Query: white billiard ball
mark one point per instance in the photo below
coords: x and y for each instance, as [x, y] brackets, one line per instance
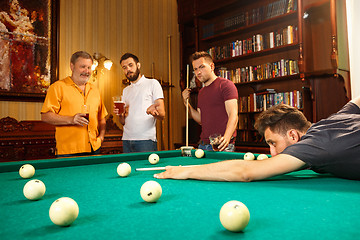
[34, 189]
[150, 191]
[63, 211]
[249, 156]
[154, 158]
[262, 157]
[124, 169]
[234, 216]
[199, 153]
[27, 171]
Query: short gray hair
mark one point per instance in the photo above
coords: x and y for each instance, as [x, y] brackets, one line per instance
[81, 54]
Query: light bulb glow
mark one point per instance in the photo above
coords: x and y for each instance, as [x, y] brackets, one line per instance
[108, 64]
[95, 64]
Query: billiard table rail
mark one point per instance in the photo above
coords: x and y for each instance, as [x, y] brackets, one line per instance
[108, 158]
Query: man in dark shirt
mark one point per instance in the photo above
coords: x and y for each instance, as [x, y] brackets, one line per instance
[217, 109]
[331, 145]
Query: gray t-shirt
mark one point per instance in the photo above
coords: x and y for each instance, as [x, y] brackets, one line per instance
[332, 145]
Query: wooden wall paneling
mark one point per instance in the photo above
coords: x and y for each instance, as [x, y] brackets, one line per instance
[317, 38]
[325, 88]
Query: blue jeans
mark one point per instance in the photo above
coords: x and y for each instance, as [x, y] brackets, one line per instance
[139, 146]
[208, 147]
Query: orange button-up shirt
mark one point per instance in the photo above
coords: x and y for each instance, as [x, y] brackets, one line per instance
[65, 98]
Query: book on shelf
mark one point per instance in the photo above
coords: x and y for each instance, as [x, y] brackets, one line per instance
[261, 101]
[248, 135]
[243, 122]
[291, 5]
[249, 17]
[256, 43]
[283, 67]
[265, 91]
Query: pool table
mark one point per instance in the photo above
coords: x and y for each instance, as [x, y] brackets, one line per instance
[300, 205]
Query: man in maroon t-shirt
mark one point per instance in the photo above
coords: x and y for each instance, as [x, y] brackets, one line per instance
[217, 110]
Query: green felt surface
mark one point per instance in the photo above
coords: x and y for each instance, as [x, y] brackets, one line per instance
[301, 205]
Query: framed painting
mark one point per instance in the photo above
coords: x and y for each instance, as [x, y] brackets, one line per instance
[28, 48]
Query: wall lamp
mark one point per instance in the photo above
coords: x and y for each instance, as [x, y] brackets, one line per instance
[100, 61]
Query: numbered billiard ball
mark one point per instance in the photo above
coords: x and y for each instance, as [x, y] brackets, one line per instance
[154, 158]
[124, 169]
[199, 153]
[34, 189]
[249, 156]
[150, 191]
[262, 157]
[63, 211]
[234, 216]
[27, 171]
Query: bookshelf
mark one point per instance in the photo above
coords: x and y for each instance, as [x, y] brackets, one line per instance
[270, 51]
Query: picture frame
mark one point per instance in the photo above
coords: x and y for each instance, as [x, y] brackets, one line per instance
[28, 48]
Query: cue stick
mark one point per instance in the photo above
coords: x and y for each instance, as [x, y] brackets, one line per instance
[159, 168]
[187, 107]
[158, 126]
[161, 124]
[169, 95]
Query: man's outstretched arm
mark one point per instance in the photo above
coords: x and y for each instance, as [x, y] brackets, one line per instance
[236, 170]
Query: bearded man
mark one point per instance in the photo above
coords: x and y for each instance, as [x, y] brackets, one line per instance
[144, 105]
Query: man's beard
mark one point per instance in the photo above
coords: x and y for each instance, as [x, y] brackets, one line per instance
[135, 76]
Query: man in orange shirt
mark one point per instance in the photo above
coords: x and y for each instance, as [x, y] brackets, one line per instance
[75, 135]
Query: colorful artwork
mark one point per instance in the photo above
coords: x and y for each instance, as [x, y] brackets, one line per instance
[26, 52]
